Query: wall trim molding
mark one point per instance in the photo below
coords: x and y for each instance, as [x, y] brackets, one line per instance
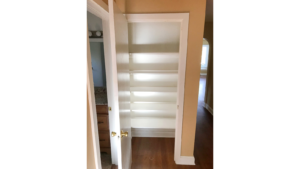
[153, 132]
[185, 160]
[209, 109]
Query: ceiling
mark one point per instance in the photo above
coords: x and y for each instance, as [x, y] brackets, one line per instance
[209, 11]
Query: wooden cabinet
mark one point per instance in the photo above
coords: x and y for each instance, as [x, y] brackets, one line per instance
[104, 139]
[102, 109]
[103, 122]
[103, 128]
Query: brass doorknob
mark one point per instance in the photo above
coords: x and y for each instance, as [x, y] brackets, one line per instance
[124, 133]
[113, 134]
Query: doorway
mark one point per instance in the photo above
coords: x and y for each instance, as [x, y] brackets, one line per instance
[166, 80]
[158, 48]
[203, 73]
[95, 30]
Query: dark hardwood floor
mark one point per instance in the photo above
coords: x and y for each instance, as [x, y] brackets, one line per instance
[158, 153]
[114, 166]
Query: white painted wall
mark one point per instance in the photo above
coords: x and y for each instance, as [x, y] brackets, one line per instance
[94, 22]
[154, 37]
[98, 63]
[97, 52]
[154, 61]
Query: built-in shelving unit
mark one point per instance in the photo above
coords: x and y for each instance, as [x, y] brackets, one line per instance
[153, 81]
[153, 69]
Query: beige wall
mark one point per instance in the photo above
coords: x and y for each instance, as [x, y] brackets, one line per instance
[196, 8]
[90, 149]
[98, 1]
[208, 35]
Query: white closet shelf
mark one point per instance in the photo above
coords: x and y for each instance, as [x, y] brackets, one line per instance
[154, 53]
[150, 71]
[154, 71]
[170, 106]
[153, 89]
[146, 122]
[150, 102]
[153, 113]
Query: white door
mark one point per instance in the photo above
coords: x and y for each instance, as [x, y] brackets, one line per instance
[118, 28]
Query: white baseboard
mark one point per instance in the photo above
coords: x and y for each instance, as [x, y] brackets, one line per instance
[209, 109]
[153, 132]
[185, 160]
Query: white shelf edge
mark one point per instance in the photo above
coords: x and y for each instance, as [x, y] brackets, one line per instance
[153, 89]
[154, 53]
[154, 103]
[154, 71]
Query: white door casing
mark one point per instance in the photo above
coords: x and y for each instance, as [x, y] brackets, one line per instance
[183, 19]
[92, 108]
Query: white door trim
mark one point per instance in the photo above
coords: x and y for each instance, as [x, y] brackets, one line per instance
[100, 10]
[92, 108]
[183, 18]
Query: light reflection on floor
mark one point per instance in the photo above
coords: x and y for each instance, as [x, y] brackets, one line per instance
[202, 84]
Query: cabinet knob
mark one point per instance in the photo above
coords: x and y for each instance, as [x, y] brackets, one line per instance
[113, 134]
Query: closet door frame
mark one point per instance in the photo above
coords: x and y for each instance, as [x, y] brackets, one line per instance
[183, 18]
[100, 9]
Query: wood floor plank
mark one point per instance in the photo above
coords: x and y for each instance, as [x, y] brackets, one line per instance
[158, 153]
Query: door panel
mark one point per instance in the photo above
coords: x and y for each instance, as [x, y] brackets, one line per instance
[120, 56]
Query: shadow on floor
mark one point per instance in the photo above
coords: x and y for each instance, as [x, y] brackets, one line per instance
[106, 161]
